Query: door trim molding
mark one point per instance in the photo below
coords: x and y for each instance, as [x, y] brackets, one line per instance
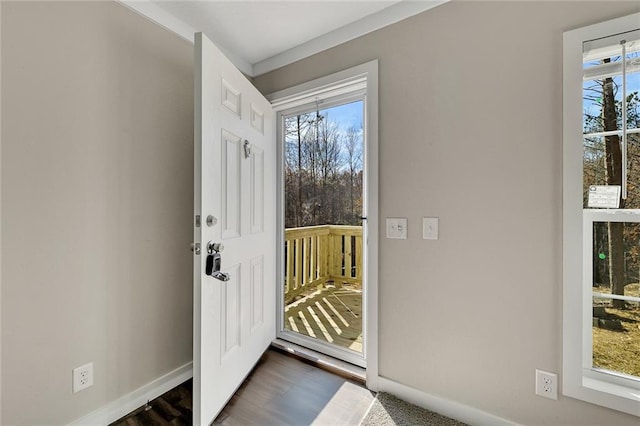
[330, 86]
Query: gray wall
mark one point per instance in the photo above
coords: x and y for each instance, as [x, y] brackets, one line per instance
[471, 131]
[97, 198]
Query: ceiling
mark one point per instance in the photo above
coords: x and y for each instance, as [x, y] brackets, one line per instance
[259, 36]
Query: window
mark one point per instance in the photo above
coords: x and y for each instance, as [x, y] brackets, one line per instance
[601, 223]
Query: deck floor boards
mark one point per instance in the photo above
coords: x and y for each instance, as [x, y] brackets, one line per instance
[331, 314]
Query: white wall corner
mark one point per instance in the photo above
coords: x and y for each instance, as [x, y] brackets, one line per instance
[127, 403]
[156, 14]
[446, 407]
[387, 16]
[161, 17]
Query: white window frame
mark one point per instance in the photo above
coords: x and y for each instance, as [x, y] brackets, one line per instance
[580, 380]
[360, 82]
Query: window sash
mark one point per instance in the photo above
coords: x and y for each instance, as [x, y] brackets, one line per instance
[606, 47]
[587, 384]
[591, 216]
[612, 69]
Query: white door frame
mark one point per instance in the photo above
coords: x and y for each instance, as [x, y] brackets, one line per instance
[362, 77]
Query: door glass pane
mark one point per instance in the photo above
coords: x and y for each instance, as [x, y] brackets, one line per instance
[616, 320]
[323, 180]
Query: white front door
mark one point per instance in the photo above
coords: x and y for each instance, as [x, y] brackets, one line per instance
[234, 320]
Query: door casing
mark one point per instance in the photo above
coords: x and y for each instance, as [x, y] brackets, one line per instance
[360, 82]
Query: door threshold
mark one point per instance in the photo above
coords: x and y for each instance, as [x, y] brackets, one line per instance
[326, 362]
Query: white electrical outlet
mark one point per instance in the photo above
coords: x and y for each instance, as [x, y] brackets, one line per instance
[546, 384]
[82, 377]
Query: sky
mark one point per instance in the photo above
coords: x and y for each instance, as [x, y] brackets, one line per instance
[633, 85]
[347, 115]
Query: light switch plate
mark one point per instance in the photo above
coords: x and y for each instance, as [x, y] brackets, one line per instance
[430, 228]
[397, 228]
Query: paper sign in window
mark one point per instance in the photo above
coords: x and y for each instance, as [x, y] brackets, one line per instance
[604, 196]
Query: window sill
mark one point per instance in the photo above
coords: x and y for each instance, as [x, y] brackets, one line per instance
[604, 393]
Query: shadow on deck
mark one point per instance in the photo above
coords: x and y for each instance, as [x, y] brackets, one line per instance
[331, 314]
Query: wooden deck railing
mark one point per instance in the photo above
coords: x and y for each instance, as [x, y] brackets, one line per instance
[316, 255]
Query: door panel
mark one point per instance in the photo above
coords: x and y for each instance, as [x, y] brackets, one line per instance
[234, 320]
[257, 190]
[230, 185]
[257, 292]
[231, 311]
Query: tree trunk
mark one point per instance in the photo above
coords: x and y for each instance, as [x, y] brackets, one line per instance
[616, 262]
[613, 158]
[600, 245]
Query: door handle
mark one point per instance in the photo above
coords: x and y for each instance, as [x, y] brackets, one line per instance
[214, 247]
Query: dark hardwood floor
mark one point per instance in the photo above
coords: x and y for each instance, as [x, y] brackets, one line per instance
[281, 390]
[172, 408]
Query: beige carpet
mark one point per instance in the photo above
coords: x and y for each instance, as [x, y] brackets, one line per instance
[387, 410]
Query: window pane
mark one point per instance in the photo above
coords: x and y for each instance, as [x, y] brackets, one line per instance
[593, 164]
[595, 168]
[616, 271]
[616, 336]
[601, 102]
[611, 98]
[632, 89]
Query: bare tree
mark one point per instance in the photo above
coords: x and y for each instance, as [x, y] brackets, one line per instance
[323, 171]
[296, 129]
[353, 146]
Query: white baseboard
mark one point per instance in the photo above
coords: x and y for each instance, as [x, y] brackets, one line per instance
[443, 406]
[127, 403]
